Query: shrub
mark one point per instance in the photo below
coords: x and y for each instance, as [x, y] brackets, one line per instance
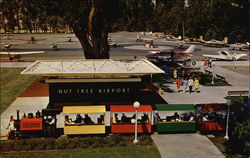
[240, 140]
[72, 143]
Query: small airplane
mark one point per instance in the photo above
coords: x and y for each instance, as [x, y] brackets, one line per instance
[194, 40]
[239, 46]
[16, 56]
[171, 38]
[32, 40]
[225, 55]
[215, 42]
[172, 55]
[149, 47]
[7, 46]
[112, 44]
[143, 39]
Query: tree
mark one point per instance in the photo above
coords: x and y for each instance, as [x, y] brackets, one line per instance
[91, 20]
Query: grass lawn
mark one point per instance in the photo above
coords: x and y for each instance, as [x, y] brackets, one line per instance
[113, 152]
[12, 85]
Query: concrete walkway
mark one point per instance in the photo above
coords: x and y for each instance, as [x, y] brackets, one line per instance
[186, 146]
[209, 94]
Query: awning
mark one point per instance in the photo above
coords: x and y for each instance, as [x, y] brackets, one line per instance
[130, 108]
[96, 68]
[218, 107]
[175, 107]
[83, 109]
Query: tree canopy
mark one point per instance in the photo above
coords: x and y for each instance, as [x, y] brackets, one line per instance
[92, 20]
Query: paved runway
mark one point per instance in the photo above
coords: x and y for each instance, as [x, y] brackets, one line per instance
[73, 50]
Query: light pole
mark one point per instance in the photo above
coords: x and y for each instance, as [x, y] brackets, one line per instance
[248, 62]
[213, 73]
[186, 5]
[229, 103]
[136, 106]
[234, 67]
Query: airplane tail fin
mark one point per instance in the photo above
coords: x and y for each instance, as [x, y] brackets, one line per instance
[201, 39]
[190, 50]
[225, 40]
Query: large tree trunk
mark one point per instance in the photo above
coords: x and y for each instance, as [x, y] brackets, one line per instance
[93, 34]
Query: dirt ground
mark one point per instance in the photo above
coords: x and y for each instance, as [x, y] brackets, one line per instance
[37, 89]
[240, 69]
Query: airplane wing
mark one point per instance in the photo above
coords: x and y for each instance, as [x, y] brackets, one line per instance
[238, 56]
[216, 56]
[14, 43]
[190, 50]
[41, 39]
[21, 53]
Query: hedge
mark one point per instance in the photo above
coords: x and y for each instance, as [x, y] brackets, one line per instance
[71, 143]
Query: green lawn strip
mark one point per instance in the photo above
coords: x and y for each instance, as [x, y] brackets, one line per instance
[238, 99]
[148, 151]
[12, 85]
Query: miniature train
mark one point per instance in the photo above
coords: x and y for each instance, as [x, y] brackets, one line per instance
[161, 118]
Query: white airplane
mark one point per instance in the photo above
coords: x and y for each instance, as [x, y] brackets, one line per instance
[16, 56]
[225, 55]
[21, 53]
[144, 39]
[171, 38]
[240, 46]
[149, 47]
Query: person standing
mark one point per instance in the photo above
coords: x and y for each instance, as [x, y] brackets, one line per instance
[190, 84]
[196, 84]
[210, 62]
[178, 84]
[175, 74]
[10, 127]
[185, 84]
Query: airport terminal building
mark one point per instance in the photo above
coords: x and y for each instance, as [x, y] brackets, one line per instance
[98, 82]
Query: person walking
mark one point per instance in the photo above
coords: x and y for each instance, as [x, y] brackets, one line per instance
[196, 84]
[178, 84]
[190, 84]
[205, 62]
[185, 84]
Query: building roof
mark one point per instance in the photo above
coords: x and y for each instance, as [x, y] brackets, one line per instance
[175, 107]
[84, 109]
[130, 108]
[96, 68]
